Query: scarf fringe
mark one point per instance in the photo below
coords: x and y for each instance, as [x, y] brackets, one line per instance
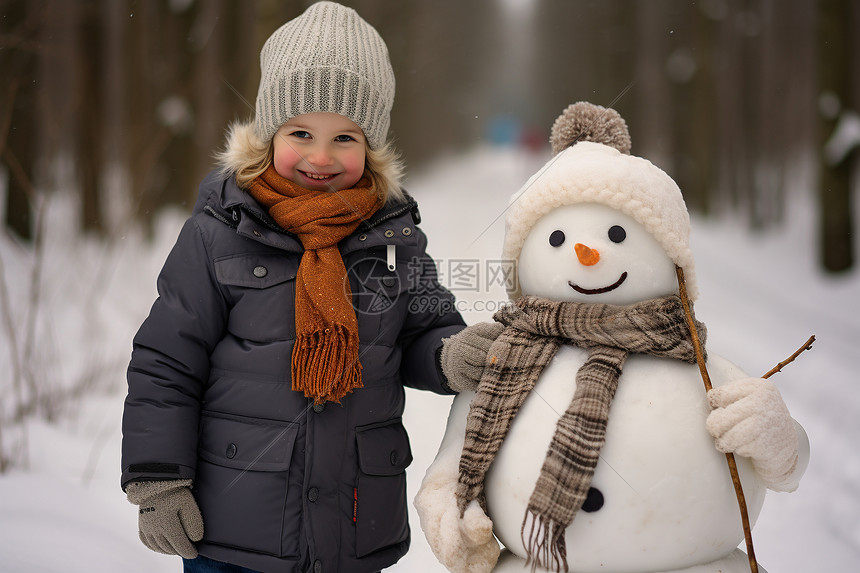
[544, 542]
[325, 364]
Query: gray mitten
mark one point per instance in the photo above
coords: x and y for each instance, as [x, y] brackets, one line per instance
[464, 355]
[169, 517]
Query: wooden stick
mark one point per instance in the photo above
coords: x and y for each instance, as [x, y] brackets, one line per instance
[730, 458]
[806, 346]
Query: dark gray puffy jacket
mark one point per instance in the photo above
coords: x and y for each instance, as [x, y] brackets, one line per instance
[283, 486]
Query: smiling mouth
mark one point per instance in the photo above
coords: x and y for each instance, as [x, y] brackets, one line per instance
[613, 286]
[317, 176]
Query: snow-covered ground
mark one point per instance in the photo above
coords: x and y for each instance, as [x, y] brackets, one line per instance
[761, 297]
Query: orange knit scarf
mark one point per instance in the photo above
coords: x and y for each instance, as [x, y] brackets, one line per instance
[325, 363]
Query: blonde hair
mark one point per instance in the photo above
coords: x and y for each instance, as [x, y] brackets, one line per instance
[246, 157]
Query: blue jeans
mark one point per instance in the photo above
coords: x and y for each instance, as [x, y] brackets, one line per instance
[205, 565]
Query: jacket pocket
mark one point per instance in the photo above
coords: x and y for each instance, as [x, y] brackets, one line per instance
[242, 484]
[380, 498]
[262, 290]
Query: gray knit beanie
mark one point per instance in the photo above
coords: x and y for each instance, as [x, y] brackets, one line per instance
[326, 60]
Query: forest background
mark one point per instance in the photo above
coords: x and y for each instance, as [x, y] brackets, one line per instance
[118, 105]
[125, 100]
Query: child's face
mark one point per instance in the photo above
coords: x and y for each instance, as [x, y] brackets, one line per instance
[320, 151]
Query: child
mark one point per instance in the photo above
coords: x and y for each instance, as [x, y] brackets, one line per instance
[262, 425]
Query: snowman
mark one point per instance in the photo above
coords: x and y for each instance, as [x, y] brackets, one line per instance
[582, 437]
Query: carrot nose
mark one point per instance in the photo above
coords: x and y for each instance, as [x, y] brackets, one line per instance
[586, 255]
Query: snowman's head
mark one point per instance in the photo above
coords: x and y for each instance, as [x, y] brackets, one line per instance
[586, 190]
[590, 252]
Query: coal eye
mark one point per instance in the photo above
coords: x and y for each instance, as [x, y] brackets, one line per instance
[617, 234]
[556, 238]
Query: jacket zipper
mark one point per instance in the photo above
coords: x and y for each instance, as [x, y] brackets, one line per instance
[405, 209]
[219, 216]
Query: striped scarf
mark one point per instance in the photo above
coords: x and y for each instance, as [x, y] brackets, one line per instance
[535, 329]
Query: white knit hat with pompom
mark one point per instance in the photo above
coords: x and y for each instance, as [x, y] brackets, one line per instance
[592, 165]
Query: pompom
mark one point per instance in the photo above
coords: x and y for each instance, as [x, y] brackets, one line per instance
[583, 121]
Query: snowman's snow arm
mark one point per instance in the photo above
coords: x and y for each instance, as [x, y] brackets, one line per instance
[448, 457]
[462, 544]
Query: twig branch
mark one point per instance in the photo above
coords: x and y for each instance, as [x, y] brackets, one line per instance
[730, 458]
[806, 346]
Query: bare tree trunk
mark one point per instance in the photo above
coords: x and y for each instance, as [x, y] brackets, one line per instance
[148, 138]
[88, 114]
[770, 105]
[747, 156]
[207, 93]
[18, 111]
[114, 169]
[835, 62]
[652, 94]
[801, 127]
[174, 109]
[241, 55]
[682, 67]
[702, 127]
[57, 101]
[731, 103]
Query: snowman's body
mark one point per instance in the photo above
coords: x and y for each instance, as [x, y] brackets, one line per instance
[668, 498]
